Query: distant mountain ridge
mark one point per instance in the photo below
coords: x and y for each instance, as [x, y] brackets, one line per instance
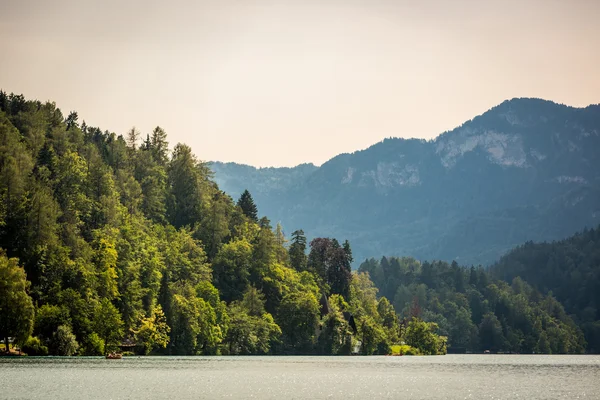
[527, 169]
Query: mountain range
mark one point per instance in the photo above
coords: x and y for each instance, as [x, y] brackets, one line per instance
[527, 169]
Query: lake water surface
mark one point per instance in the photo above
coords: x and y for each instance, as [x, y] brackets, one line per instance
[443, 377]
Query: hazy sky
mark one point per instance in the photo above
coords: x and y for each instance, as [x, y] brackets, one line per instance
[285, 82]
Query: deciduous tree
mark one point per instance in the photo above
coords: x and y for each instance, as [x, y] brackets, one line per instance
[16, 307]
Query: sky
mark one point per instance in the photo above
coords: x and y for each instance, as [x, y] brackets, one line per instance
[279, 83]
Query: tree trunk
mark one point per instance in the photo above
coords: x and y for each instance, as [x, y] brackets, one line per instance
[7, 349]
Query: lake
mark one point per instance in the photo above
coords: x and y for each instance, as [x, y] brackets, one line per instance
[442, 377]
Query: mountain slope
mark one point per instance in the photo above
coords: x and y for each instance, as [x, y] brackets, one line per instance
[525, 170]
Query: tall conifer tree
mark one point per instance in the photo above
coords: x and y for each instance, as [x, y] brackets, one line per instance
[247, 205]
[298, 251]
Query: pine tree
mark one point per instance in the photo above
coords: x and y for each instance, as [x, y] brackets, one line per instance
[246, 203]
[338, 272]
[159, 146]
[348, 251]
[298, 250]
[184, 176]
[133, 135]
[71, 120]
[3, 101]
[281, 251]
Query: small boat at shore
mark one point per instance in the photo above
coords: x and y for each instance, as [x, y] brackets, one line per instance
[114, 356]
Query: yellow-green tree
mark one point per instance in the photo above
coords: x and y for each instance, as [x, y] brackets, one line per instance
[421, 335]
[153, 331]
[16, 307]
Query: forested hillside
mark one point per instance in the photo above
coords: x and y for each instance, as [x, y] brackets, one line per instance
[474, 310]
[569, 269]
[526, 169]
[111, 242]
[108, 240]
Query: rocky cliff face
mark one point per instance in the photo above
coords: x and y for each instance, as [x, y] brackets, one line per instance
[527, 169]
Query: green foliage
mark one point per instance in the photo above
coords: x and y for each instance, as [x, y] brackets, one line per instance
[231, 269]
[108, 324]
[159, 147]
[389, 319]
[253, 302]
[216, 226]
[421, 335]
[570, 273]
[246, 203]
[404, 350]
[187, 180]
[372, 337]
[195, 325]
[34, 347]
[335, 336]
[490, 333]
[332, 264]
[93, 345]
[47, 319]
[363, 296]
[153, 331]
[473, 310]
[64, 341]
[375, 320]
[298, 317]
[297, 251]
[251, 331]
[189, 316]
[16, 307]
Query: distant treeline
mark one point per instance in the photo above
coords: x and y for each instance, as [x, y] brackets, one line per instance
[569, 270]
[539, 298]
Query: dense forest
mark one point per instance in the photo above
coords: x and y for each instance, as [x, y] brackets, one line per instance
[109, 241]
[569, 269]
[475, 311]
